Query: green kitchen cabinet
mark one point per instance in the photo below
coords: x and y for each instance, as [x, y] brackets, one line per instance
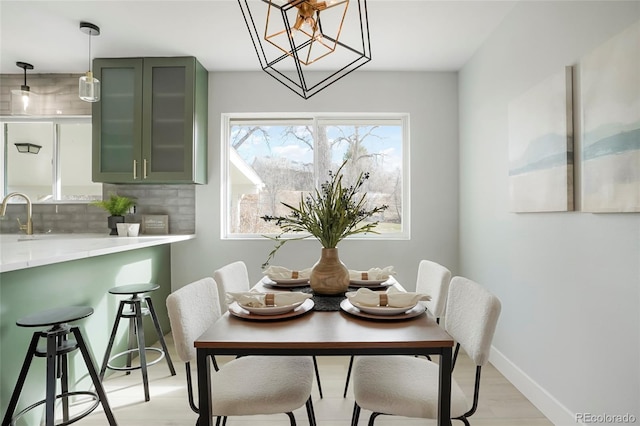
[150, 125]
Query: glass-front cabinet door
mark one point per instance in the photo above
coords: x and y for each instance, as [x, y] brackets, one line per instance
[117, 120]
[168, 108]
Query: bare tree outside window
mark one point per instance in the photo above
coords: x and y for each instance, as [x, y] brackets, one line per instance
[272, 162]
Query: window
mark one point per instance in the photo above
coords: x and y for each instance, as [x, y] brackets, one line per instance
[60, 171]
[271, 160]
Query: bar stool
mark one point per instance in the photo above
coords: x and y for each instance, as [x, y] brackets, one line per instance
[58, 346]
[135, 314]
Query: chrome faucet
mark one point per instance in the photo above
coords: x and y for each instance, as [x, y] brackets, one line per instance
[28, 227]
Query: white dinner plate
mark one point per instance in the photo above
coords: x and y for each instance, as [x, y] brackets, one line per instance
[289, 280]
[417, 310]
[307, 305]
[382, 310]
[271, 310]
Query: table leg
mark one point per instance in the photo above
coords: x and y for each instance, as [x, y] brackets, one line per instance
[204, 388]
[444, 396]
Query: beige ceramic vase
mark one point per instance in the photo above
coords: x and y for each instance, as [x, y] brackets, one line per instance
[329, 276]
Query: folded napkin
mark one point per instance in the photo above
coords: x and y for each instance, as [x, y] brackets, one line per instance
[372, 274]
[282, 273]
[256, 299]
[393, 298]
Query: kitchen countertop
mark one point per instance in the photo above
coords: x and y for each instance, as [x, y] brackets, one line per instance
[28, 251]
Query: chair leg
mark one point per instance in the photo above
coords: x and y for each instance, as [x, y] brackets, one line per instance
[356, 414]
[346, 385]
[156, 323]
[315, 366]
[292, 418]
[373, 418]
[310, 412]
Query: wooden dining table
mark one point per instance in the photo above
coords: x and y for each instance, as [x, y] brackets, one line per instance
[322, 333]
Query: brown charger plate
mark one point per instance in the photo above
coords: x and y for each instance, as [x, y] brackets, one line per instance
[364, 283]
[372, 285]
[417, 310]
[237, 311]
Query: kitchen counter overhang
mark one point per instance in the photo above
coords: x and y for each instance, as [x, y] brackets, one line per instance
[28, 251]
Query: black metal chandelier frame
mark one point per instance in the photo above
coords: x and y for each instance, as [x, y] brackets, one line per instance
[300, 84]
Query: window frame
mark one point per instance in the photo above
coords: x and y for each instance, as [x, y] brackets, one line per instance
[331, 119]
[57, 184]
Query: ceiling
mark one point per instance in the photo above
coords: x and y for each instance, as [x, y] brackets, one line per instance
[409, 35]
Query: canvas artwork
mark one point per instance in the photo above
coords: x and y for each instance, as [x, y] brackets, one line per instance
[610, 97]
[541, 146]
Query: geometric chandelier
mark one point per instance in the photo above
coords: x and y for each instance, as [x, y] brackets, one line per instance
[307, 45]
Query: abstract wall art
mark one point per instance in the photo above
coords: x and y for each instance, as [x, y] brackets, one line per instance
[541, 146]
[610, 115]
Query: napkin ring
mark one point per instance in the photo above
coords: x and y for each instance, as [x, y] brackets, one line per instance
[270, 299]
[294, 275]
[365, 276]
[384, 299]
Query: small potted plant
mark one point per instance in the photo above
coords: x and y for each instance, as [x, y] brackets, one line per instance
[117, 206]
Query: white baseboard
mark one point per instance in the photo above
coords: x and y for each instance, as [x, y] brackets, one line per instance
[557, 413]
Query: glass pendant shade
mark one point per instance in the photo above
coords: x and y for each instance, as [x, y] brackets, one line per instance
[24, 101]
[88, 85]
[89, 88]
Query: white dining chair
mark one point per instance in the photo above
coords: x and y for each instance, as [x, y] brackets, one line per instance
[234, 277]
[408, 386]
[432, 279]
[244, 386]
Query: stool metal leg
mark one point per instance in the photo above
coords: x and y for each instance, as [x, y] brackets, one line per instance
[21, 378]
[63, 371]
[111, 340]
[97, 384]
[131, 339]
[50, 405]
[141, 349]
[154, 317]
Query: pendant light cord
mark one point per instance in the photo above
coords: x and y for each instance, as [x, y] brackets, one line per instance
[90, 51]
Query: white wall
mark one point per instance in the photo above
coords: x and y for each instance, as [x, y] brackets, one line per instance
[569, 333]
[431, 101]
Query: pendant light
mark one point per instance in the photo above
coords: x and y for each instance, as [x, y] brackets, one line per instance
[24, 101]
[308, 45]
[89, 86]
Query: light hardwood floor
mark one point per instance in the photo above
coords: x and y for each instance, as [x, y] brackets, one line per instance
[500, 403]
